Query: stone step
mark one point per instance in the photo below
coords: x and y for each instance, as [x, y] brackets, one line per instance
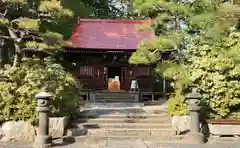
[113, 105]
[166, 143]
[153, 132]
[148, 139]
[126, 94]
[135, 116]
[122, 114]
[101, 112]
[124, 125]
[123, 120]
[115, 96]
[107, 100]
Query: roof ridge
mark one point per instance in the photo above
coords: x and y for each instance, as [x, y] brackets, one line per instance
[113, 21]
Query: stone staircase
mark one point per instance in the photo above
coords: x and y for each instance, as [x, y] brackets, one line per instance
[113, 97]
[124, 123]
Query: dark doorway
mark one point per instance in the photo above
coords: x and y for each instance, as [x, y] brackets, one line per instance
[114, 71]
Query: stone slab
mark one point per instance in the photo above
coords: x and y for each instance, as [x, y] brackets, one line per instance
[126, 143]
[113, 105]
[224, 129]
[76, 132]
[18, 131]
[126, 125]
[126, 120]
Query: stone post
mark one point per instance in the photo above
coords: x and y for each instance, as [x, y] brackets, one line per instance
[43, 139]
[194, 136]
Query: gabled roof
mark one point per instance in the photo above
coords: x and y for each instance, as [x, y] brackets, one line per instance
[108, 34]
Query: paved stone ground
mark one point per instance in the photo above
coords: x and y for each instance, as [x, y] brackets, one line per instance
[125, 144]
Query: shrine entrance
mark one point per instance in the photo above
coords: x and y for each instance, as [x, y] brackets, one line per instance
[114, 77]
[114, 72]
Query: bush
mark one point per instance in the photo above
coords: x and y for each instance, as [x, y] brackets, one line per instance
[177, 105]
[215, 71]
[17, 96]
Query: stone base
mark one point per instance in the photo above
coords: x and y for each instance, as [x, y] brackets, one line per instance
[43, 142]
[194, 138]
[180, 124]
[57, 126]
[224, 129]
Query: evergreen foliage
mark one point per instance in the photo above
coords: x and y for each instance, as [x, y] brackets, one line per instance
[214, 70]
[195, 33]
[32, 24]
[103, 9]
[17, 95]
[80, 9]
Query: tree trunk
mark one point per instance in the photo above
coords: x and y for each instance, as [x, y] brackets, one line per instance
[17, 56]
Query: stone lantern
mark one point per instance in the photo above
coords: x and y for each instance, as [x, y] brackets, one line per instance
[194, 136]
[43, 139]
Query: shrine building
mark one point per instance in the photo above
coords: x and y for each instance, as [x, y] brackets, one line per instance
[99, 50]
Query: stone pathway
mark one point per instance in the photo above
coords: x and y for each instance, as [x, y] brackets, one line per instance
[125, 144]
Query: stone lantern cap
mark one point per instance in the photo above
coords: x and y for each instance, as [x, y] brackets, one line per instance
[43, 95]
[194, 95]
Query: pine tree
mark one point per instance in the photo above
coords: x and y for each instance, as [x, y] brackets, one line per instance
[32, 24]
[176, 20]
[167, 18]
[175, 23]
[79, 9]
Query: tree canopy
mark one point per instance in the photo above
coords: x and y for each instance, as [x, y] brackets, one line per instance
[32, 24]
[194, 33]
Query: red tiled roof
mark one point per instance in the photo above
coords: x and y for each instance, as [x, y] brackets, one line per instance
[108, 34]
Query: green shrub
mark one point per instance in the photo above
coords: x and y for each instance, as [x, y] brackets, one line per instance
[215, 71]
[17, 96]
[177, 104]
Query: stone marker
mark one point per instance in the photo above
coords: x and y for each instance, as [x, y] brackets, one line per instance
[180, 124]
[194, 136]
[43, 139]
[57, 126]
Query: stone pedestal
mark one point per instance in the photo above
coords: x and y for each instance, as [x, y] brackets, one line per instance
[194, 136]
[43, 139]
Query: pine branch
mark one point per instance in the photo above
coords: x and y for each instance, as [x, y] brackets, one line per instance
[6, 37]
[4, 14]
